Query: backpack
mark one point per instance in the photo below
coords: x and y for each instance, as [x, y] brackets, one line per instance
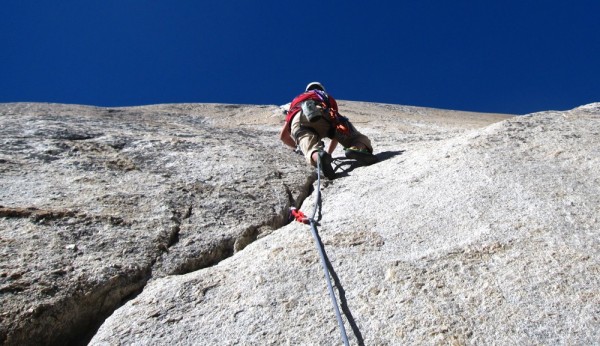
[322, 105]
[314, 103]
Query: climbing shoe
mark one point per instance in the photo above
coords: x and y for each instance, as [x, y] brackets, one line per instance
[326, 168]
[361, 155]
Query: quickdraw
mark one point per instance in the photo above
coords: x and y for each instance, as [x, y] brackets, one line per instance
[299, 216]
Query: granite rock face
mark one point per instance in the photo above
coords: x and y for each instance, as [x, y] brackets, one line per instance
[96, 202]
[472, 229]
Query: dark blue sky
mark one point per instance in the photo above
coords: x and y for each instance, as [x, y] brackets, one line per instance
[502, 56]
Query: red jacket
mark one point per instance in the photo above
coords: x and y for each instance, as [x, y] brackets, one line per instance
[328, 102]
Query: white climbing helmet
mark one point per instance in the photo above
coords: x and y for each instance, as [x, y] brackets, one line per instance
[315, 85]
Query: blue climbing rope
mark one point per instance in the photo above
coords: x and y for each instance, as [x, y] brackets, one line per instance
[315, 233]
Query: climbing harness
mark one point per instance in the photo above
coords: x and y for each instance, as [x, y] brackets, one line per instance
[300, 217]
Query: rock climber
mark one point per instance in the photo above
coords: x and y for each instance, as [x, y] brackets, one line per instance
[312, 116]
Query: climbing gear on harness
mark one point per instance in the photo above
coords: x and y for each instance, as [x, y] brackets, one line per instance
[313, 228]
[360, 155]
[341, 126]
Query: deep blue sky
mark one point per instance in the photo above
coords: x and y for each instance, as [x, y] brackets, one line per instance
[495, 56]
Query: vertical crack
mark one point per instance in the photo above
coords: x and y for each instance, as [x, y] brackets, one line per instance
[116, 294]
[226, 247]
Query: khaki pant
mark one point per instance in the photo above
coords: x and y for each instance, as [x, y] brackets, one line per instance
[308, 135]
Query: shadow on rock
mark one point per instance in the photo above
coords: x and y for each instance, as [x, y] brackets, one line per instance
[389, 154]
[343, 166]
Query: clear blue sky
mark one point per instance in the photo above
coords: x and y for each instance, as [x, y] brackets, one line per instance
[495, 56]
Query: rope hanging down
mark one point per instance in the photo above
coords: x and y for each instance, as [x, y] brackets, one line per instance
[300, 217]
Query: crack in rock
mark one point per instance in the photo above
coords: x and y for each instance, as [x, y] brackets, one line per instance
[96, 202]
[71, 314]
[113, 294]
[225, 247]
